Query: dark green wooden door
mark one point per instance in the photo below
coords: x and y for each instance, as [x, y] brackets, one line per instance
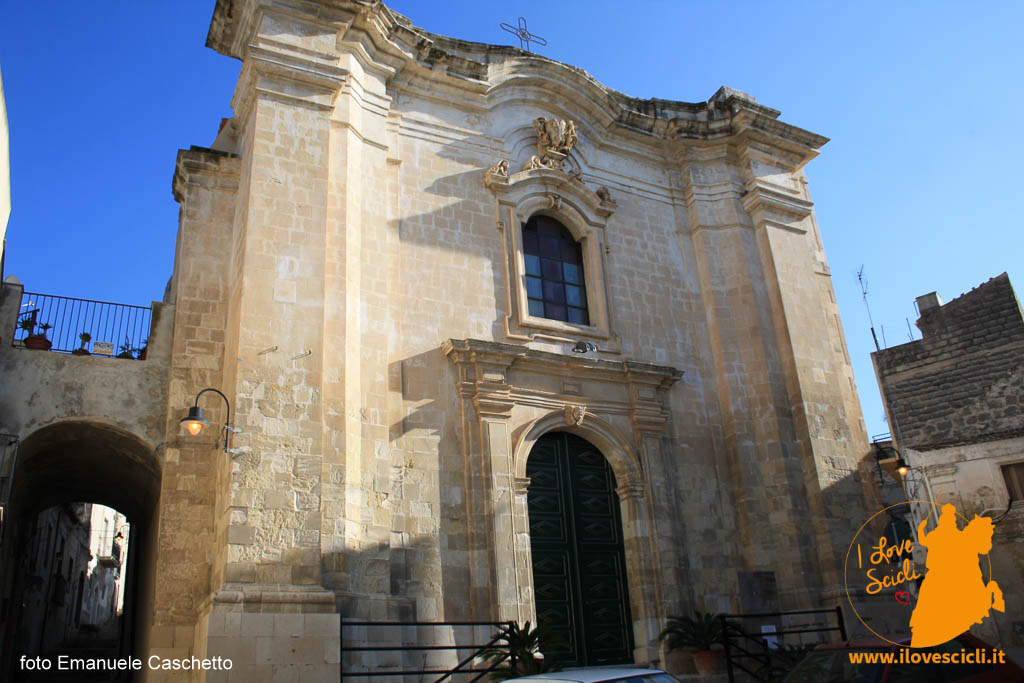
[579, 564]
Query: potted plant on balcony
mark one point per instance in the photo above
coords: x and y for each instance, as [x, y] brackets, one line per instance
[35, 340]
[141, 353]
[125, 350]
[82, 351]
[700, 633]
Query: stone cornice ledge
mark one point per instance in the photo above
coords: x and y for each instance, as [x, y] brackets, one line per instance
[461, 351]
[479, 67]
[197, 161]
[319, 598]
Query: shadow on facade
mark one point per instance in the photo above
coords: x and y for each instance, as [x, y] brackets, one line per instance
[59, 466]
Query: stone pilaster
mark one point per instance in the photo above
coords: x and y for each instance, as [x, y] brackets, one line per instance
[483, 381]
[205, 183]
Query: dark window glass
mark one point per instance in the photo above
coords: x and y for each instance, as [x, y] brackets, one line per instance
[532, 265]
[554, 266]
[554, 311]
[554, 291]
[530, 242]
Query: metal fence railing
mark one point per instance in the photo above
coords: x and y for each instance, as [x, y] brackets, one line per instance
[57, 323]
[753, 652]
[409, 644]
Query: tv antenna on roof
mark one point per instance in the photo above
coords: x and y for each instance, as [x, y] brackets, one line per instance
[523, 34]
[864, 294]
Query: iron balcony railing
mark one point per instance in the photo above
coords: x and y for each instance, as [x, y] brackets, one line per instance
[120, 330]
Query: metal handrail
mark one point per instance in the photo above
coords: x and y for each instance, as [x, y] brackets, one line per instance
[460, 668]
[125, 326]
[731, 629]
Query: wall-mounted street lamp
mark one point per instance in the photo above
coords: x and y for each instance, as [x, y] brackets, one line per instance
[904, 469]
[195, 422]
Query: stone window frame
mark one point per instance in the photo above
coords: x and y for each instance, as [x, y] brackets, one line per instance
[1004, 469]
[555, 194]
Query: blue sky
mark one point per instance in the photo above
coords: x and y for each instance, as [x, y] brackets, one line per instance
[920, 100]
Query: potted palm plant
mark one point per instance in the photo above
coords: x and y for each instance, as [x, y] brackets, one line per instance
[700, 633]
[520, 653]
[35, 340]
[125, 350]
[82, 351]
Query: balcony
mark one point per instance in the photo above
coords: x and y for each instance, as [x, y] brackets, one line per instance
[113, 559]
[82, 326]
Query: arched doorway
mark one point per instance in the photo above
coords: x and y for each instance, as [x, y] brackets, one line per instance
[59, 469]
[576, 542]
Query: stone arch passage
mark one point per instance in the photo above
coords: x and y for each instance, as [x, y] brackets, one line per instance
[578, 553]
[82, 461]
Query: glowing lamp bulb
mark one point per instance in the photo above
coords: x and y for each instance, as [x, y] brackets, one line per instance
[902, 467]
[194, 421]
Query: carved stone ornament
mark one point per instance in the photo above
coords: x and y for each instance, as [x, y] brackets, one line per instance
[555, 139]
[574, 415]
[605, 195]
[500, 168]
[497, 173]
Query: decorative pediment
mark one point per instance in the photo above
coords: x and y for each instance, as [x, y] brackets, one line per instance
[556, 187]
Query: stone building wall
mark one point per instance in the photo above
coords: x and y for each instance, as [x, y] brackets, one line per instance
[964, 380]
[349, 272]
[955, 401]
[389, 382]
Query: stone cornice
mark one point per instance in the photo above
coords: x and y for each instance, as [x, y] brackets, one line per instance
[766, 203]
[494, 354]
[199, 161]
[393, 40]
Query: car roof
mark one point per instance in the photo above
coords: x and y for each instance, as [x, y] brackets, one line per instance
[590, 674]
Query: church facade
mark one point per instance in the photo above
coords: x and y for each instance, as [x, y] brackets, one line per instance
[499, 343]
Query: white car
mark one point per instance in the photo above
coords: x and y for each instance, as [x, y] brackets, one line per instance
[600, 674]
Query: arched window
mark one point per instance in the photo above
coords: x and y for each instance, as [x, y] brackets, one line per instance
[555, 286]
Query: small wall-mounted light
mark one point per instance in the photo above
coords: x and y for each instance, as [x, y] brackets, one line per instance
[902, 467]
[195, 422]
[584, 347]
